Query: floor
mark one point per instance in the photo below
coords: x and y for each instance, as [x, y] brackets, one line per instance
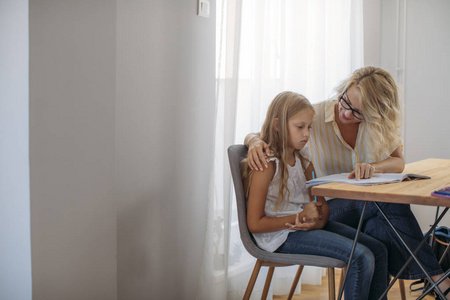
[316, 292]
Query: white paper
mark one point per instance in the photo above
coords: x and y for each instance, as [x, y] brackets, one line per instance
[378, 178]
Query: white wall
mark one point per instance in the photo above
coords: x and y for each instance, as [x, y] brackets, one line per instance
[423, 58]
[122, 106]
[427, 80]
[372, 32]
[72, 155]
[165, 118]
[424, 64]
[15, 248]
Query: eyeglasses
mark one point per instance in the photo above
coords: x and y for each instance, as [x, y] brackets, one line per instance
[357, 114]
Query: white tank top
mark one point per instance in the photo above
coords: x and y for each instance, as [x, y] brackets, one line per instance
[271, 241]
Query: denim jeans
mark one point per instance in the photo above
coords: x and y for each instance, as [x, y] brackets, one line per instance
[349, 211]
[367, 277]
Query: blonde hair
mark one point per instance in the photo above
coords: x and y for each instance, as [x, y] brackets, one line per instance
[380, 106]
[284, 106]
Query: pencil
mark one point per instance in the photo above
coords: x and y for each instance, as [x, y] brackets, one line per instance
[315, 197]
[442, 193]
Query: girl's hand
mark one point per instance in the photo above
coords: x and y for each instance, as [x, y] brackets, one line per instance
[312, 218]
[304, 223]
[363, 170]
[313, 210]
[256, 158]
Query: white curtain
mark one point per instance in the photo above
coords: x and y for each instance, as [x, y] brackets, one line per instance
[265, 47]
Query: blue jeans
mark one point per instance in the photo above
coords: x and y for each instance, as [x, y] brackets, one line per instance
[349, 211]
[367, 277]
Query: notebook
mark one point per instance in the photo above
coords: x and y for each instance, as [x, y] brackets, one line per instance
[378, 178]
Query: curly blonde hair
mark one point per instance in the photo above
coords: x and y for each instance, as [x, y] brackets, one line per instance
[380, 106]
[284, 106]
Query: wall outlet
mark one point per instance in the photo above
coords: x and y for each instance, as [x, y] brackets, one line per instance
[203, 8]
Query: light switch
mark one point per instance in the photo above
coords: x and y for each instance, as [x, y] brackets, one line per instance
[203, 8]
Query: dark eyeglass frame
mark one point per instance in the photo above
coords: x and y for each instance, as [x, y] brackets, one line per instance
[357, 114]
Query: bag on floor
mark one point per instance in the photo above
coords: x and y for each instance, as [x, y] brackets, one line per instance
[440, 244]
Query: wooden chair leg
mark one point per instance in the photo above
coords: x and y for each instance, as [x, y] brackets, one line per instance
[341, 280]
[331, 284]
[251, 282]
[295, 282]
[267, 284]
[401, 284]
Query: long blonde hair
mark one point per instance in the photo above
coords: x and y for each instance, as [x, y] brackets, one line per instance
[380, 106]
[284, 106]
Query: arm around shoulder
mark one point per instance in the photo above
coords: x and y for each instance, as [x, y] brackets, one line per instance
[249, 138]
[257, 150]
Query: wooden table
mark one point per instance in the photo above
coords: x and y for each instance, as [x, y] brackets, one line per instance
[407, 192]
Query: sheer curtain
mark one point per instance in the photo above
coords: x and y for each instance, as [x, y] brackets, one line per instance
[265, 47]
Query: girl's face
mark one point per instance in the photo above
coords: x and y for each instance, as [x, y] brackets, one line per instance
[349, 108]
[299, 126]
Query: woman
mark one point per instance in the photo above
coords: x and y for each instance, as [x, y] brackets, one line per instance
[359, 133]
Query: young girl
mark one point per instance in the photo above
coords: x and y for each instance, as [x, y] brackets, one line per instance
[283, 218]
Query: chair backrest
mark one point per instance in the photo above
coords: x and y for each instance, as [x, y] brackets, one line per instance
[235, 154]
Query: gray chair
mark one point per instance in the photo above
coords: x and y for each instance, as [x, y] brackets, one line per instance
[264, 258]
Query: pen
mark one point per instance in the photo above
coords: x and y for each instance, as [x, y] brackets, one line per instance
[442, 193]
[315, 197]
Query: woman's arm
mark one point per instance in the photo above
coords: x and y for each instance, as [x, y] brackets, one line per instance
[257, 221]
[256, 149]
[393, 164]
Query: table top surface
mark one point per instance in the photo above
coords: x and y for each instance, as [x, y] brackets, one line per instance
[409, 192]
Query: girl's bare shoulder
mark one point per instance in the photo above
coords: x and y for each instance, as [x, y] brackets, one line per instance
[268, 173]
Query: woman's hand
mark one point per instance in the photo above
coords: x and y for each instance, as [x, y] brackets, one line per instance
[395, 163]
[361, 171]
[256, 158]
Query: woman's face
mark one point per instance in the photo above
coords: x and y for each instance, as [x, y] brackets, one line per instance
[349, 108]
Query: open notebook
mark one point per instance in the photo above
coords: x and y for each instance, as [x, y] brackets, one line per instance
[378, 178]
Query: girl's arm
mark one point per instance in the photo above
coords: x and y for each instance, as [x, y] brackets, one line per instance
[256, 149]
[315, 215]
[257, 221]
[393, 164]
